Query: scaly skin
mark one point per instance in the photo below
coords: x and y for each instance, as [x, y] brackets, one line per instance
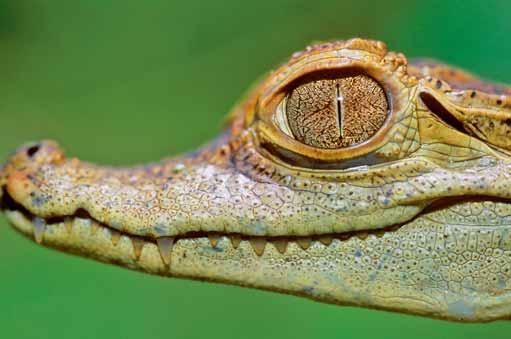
[416, 219]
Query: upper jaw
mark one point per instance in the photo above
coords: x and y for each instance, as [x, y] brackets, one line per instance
[213, 191]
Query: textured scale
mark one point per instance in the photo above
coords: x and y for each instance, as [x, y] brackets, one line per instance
[347, 176]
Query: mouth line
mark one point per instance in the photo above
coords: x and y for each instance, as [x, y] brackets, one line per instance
[8, 204]
[40, 225]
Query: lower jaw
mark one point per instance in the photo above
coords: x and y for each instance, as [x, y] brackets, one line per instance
[419, 268]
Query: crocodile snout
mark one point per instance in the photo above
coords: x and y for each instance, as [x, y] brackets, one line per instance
[16, 172]
[35, 154]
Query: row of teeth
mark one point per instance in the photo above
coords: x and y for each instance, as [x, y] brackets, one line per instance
[165, 244]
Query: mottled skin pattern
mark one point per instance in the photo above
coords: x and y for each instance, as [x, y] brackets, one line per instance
[417, 219]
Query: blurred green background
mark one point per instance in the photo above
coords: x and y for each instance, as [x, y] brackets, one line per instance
[125, 82]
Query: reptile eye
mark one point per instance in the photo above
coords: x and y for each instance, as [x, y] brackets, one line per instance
[336, 109]
[334, 112]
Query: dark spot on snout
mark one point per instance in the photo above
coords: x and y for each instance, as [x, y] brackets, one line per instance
[32, 150]
[38, 199]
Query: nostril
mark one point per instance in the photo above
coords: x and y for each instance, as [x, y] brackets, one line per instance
[31, 151]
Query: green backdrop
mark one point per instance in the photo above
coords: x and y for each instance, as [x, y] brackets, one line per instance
[124, 82]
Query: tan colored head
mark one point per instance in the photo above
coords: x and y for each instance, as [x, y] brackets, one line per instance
[347, 176]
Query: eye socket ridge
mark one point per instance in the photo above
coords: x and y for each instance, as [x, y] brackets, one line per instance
[275, 137]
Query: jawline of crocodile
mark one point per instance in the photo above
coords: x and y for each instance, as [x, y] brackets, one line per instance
[415, 220]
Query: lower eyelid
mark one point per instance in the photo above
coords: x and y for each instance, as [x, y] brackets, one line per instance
[295, 159]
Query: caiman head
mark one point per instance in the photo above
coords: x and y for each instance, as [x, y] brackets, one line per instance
[347, 176]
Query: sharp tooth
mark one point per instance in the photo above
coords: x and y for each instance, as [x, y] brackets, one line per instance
[258, 244]
[235, 240]
[280, 245]
[326, 240]
[213, 239]
[94, 227]
[344, 236]
[304, 243]
[362, 235]
[115, 237]
[379, 233]
[39, 227]
[138, 246]
[68, 223]
[165, 247]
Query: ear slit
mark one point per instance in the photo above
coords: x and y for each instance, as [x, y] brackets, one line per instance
[441, 112]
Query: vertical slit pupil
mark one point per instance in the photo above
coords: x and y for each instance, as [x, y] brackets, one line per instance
[338, 99]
